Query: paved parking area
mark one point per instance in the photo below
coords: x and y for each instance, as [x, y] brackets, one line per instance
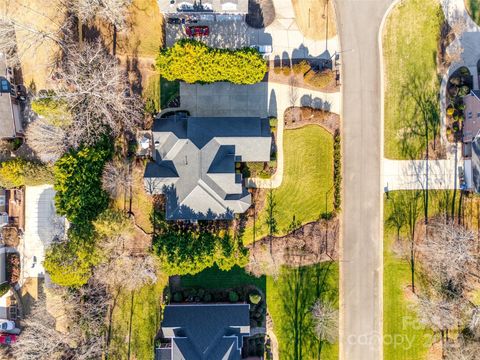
[283, 35]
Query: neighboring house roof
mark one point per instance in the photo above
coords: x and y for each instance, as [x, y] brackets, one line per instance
[471, 123]
[476, 164]
[194, 164]
[206, 332]
[10, 117]
[206, 6]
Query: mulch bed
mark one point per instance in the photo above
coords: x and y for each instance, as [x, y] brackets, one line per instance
[297, 117]
[312, 243]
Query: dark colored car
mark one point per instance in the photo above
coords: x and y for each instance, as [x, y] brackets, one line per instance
[21, 92]
[174, 20]
[198, 31]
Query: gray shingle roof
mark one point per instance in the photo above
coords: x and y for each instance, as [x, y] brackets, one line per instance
[195, 164]
[7, 122]
[207, 332]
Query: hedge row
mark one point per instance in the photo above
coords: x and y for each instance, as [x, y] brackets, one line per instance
[337, 172]
[193, 61]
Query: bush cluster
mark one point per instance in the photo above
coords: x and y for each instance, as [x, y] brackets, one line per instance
[183, 252]
[337, 172]
[194, 62]
[19, 172]
[78, 182]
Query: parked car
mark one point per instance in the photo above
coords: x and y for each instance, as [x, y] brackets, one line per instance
[263, 49]
[174, 20]
[7, 325]
[8, 339]
[21, 92]
[198, 31]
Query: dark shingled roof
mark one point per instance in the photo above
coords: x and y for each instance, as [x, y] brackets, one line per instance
[207, 332]
[195, 164]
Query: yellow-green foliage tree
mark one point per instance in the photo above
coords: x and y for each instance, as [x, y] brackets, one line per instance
[19, 172]
[70, 263]
[193, 61]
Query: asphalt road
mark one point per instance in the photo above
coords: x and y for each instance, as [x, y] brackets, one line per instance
[361, 263]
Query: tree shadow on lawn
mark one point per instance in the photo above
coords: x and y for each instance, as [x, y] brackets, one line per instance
[299, 290]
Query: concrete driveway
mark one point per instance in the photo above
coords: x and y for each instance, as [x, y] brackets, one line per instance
[283, 34]
[41, 226]
[262, 99]
[361, 264]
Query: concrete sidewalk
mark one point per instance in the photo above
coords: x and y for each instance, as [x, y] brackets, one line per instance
[412, 174]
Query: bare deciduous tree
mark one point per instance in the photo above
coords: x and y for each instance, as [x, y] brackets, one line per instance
[116, 179]
[441, 315]
[112, 11]
[127, 272]
[19, 36]
[39, 339]
[462, 349]
[325, 317]
[448, 253]
[48, 141]
[95, 89]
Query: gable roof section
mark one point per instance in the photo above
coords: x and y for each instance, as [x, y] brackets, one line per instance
[195, 164]
[207, 332]
[7, 121]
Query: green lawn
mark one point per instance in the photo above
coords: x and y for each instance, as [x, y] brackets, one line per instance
[161, 91]
[289, 300]
[168, 91]
[214, 278]
[308, 177]
[409, 47]
[152, 91]
[473, 8]
[145, 318]
[400, 319]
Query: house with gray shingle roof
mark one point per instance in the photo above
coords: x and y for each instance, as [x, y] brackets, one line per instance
[204, 332]
[10, 113]
[194, 164]
[204, 8]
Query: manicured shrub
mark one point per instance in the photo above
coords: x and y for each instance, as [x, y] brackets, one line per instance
[193, 61]
[450, 111]
[463, 91]
[320, 79]
[337, 172]
[178, 297]
[286, 70]
[207, 297]
[302, 67]
[19, 172]
[255, 298]
[233, 297]
[277, 69]
[4, 288]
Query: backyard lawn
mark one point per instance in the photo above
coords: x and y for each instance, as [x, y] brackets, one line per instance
[141, 321]
[473, 8]
[315, 18]
[289, 300]
[400, 318]
[307, 181]
[214, 278]
[145, 35]
[410, 43]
